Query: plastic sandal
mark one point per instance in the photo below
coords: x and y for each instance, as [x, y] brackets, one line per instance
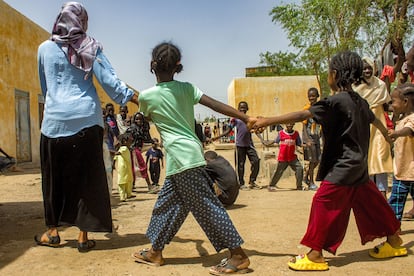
[385, 250]
[224, 268]
[302, 263]
[141, 257]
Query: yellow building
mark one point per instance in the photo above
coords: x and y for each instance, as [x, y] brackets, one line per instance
[21, 101]
[271, 96]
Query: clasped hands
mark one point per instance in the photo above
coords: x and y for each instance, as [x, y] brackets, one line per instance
[257, 124]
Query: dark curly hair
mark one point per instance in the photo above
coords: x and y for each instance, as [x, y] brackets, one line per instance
[166, 58]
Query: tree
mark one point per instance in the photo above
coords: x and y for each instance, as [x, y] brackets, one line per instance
[286, 64]
[320, 28]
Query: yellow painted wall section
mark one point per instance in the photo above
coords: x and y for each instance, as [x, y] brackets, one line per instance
[271, 96]
[19, 40]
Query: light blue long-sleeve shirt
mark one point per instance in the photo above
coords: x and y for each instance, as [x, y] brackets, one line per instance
[71, 101]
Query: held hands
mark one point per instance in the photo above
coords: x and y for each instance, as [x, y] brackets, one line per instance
[260, 124]
[390, 138]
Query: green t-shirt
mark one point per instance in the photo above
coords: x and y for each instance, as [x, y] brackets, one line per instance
[170, 105]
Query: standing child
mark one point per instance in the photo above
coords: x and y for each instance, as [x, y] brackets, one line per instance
[225, 184]
[124, 167]
[170, 105]
[140, 135]
[345, 119]
[288, 140]
[311, 135]
[156, 161]
[403, 181]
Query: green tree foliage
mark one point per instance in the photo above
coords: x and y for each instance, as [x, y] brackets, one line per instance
[318, 29]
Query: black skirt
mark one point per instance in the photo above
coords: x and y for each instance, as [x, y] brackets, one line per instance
[74, 185]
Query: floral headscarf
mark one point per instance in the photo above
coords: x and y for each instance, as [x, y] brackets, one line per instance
[70, 31]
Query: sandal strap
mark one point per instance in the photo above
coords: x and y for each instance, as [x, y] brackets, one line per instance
[53, 239]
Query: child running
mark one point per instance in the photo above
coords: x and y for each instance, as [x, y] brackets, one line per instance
[345, 119]
[170, 105]
[403, 181]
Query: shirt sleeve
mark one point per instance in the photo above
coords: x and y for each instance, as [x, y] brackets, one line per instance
[277, 140]
[388, 71]
[409, 123]
[320, 110]
[116, 89]
[298, 140]
[41, 71]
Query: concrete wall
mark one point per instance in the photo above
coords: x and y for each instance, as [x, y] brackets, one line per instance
[19, 40]
[270, 96]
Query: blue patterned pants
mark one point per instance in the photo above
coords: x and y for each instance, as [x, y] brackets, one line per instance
[399, 193]
[185, 192]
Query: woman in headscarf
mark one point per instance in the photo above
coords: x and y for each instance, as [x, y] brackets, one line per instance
[74, 184]
[374, 91]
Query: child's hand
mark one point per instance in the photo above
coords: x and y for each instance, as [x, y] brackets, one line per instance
[391, 134]
[250, 122]
[260, 124]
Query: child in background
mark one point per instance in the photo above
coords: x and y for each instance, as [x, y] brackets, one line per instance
[288, 140]
[139, 130]
[170, 105]
[124, 167]
[225, 184]
[345, 119]
[156, 161]
[403, 136]
[311, 135]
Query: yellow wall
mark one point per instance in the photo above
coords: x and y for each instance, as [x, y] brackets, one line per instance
[271, 96]
[19, 40]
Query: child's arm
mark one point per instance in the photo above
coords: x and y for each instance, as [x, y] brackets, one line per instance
[377, 123]
[265, 143]
[292, 117]
[405, 131]
[226, 110]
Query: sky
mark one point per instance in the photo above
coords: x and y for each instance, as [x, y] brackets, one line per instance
[218, 38]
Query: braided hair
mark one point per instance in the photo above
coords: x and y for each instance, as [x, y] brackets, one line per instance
[348, 66]
[166, 58]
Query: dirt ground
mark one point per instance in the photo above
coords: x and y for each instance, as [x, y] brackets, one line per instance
[271, 224]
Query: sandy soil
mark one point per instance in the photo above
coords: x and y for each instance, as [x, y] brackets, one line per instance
[271, 224]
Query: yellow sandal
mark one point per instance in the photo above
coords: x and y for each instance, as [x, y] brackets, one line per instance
[302, 263]
[385, 250]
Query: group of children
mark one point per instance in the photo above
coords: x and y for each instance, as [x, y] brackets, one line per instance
[288, 139]
[124, 138]
[203, 183]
